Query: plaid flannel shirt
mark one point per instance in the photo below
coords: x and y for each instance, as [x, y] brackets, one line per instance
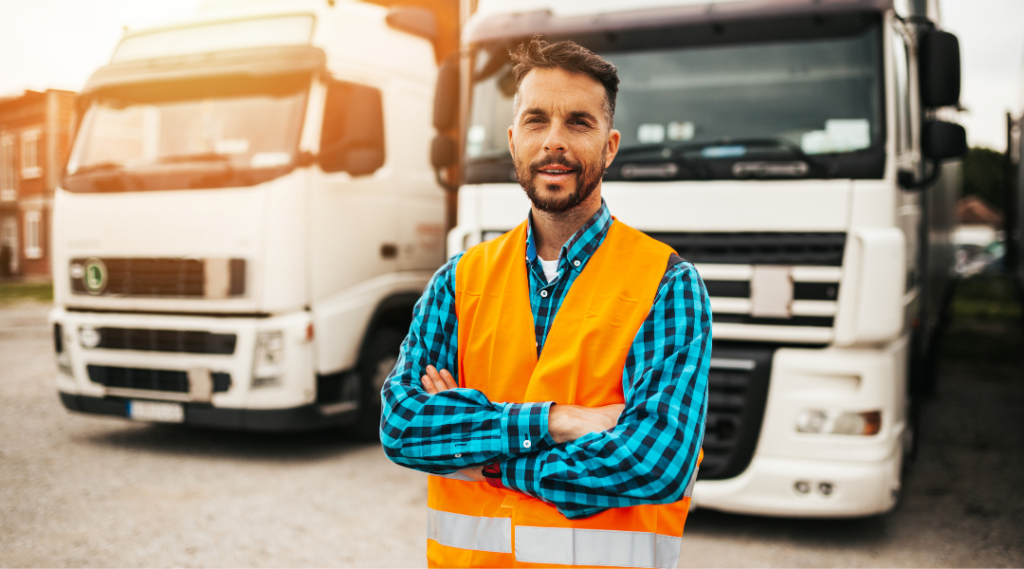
[647, 458]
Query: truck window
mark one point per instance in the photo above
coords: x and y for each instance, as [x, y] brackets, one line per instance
[709, 103]
[199, 133]
[352, 137]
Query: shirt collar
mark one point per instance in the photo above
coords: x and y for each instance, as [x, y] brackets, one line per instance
[581, 246]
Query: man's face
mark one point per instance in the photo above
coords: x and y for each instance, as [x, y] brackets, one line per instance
[560, 141]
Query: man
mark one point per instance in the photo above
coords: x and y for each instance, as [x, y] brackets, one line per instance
[555, 378]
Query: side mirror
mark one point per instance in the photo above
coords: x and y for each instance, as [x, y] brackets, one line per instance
[943, 140]
[412, 20]
[443, 151]
[939, 61]
[352, 136]
[446, 94]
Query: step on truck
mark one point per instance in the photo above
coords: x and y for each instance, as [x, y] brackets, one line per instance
[803, 156]
[248, 216]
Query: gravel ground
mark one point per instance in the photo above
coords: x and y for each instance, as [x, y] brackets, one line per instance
[87, 491]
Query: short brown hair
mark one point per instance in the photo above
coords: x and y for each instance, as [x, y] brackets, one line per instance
[569, 56]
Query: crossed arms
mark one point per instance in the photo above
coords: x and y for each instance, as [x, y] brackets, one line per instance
[581, 460]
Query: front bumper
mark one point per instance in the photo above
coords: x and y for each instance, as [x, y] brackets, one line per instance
[301, 418]
[244, 402]
[769, 488]
[862, 471]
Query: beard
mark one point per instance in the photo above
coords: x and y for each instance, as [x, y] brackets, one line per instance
[586, 176]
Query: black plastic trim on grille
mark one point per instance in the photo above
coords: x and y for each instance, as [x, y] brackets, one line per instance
[58, 338]
[728, 289]
[151, 379]
[801, 291]
[182, 341]
[140, 276]
[822, 249]
[817, 321]
[815, 291]
[736, 402]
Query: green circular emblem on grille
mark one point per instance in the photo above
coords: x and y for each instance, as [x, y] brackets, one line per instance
[95, 277]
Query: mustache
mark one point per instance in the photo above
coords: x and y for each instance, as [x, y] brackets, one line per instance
[539, 165]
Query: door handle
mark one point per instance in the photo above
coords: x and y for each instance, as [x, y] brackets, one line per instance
[389, 250]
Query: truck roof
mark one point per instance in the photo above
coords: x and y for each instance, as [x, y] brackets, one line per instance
[496, 19]
[265, 37]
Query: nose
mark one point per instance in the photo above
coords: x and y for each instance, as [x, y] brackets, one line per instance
[555, 140]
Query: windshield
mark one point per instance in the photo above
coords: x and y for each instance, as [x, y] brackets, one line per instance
[201, 134]
[814, 104]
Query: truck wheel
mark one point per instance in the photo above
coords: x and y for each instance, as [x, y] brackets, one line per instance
[380, 358]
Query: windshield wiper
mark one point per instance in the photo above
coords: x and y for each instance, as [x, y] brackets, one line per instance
[649, 155]
[112, 167]
[827, 169]
[201, 157]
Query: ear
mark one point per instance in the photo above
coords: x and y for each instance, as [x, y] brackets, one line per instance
[613, 147]
[511, 144]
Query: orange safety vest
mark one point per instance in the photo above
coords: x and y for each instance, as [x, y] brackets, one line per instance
[473, 524]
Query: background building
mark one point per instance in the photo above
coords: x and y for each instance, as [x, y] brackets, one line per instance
[35, 137]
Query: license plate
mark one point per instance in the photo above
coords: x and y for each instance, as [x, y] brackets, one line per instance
[156, 411]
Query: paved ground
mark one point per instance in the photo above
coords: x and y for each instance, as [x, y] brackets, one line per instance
[85, 491]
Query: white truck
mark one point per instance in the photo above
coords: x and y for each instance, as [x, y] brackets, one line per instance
[248, 217]
[794, 152]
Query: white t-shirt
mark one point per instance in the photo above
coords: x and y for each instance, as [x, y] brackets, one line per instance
[550, 269]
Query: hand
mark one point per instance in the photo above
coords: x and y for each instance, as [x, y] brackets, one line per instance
[569, 422]
[435, 382]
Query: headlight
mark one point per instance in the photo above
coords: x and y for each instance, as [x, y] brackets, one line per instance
[839, 423]
[268, 362]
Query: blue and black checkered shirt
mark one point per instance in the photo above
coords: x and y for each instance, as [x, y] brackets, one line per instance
[650, 455]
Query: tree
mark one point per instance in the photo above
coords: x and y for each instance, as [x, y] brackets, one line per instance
[984, 176]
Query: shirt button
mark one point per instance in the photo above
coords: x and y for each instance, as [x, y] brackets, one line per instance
[576, 263]
[458, 455]
[544, 294]
[526, 443]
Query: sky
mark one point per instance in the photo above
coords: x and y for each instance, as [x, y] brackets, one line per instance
[57, 44]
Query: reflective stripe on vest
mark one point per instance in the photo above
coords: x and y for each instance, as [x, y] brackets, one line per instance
[576, 546]
[552, 545]
[470, 532]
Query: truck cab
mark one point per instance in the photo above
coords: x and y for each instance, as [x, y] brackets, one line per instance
[800, 154]
[247, 217]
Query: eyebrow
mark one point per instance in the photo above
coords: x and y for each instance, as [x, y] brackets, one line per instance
[537, 111]
[582, 115]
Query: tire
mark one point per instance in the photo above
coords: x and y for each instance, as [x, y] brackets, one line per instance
[378, 361]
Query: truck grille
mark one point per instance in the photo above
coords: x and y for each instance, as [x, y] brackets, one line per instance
[138, 276]
[182, 341]
[821, 249]
[151, 379]
[797, 250]
[737, 393]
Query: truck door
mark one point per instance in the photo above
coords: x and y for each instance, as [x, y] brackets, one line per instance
[353, 235]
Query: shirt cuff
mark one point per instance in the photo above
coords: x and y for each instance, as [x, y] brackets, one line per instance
[525, 427]
[522, 474]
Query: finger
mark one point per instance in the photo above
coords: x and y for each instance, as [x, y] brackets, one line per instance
[428, 384]
[448, 379]
[436, 378]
